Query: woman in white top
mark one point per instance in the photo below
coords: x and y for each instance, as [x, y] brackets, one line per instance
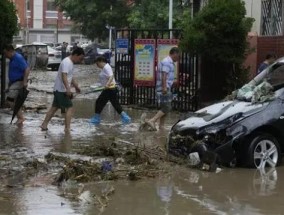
[110, 93]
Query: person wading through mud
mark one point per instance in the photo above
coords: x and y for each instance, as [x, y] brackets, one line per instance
[62, 89]
[18, 78]
[165, 79]
[110, 93]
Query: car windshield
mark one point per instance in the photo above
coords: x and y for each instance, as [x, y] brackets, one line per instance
[262, 88]
[275, 75]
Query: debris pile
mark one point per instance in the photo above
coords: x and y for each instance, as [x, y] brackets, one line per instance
[255, 94]
[108, 161]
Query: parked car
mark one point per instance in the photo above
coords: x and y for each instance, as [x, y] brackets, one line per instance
[54, 58]
[35, 54]
[51, 44]
[68, 49]
[92, 51]
[246, 130]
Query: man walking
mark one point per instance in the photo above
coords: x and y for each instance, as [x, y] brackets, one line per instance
[165, 79]
[62, 89]
[18, 78]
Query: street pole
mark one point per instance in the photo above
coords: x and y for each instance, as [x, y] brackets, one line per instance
[3, 79]
[57, 30]
[110, 35]
[109, 42]
[27, 22]
[171, 18]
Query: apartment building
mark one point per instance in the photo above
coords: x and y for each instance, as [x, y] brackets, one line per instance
[40, 21]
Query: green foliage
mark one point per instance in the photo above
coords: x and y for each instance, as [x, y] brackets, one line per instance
[155, 14]
[92, 16]
[219, 31]
[8, 22]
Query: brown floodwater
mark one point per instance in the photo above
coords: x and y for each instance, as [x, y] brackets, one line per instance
[182, 191]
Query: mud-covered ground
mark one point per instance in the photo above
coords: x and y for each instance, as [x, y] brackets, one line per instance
[113, 168]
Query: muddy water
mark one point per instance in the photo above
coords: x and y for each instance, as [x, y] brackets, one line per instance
[182, 191]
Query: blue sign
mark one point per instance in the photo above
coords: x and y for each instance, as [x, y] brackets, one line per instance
[121, 46]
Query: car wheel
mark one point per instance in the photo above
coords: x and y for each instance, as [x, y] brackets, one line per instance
[263, 151]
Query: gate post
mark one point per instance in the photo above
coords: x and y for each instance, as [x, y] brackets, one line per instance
[3, 79]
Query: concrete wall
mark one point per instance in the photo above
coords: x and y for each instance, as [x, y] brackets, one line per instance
[38, 14]
[253, 8]
[251, 60]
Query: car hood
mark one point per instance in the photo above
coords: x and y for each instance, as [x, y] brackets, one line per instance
[219, 112]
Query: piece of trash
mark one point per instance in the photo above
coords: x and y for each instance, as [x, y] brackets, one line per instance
[106, 166]
[194, 159]
[218, 170]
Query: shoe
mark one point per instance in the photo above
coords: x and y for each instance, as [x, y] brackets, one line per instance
[96, 119]
[125, 118]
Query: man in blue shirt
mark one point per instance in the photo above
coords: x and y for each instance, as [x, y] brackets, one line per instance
[270, 58]
[165, 79]
[18, 78]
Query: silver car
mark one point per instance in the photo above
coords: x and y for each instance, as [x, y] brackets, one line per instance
[54, 58]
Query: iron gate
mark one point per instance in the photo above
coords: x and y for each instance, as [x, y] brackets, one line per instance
[271, 17]
[185, 93]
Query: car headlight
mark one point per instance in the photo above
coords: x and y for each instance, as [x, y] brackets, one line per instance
[216, 127]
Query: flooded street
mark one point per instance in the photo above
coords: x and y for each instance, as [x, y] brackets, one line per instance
[177, 191]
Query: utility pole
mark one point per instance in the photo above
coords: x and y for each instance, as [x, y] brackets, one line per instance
[57, 30]
[27, 22]
[3, 79]
[171, 18]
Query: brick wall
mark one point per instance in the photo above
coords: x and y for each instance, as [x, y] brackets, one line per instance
[261, 46]
[269, 44]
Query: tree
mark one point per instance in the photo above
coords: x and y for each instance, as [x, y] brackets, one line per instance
[92, 16]
[155, 14]
[8, 22]
[8, 28]
[218, 33]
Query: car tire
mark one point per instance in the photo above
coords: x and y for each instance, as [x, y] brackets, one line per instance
[263, 151]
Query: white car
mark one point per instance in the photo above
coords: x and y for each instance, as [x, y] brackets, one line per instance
[54, 58]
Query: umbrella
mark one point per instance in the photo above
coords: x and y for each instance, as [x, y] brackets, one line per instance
[23, 93]
[96, 88]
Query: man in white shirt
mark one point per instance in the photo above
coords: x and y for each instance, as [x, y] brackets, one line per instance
[62, 89]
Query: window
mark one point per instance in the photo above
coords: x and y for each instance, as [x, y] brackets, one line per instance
[28, 9]
[28, 5]
[51, 5]
[276, 75]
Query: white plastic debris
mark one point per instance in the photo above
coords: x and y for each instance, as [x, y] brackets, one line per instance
[194, 158]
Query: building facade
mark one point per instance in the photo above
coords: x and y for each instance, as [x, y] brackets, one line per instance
[41, 21]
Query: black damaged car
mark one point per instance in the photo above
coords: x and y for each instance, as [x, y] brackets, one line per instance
[246, 129]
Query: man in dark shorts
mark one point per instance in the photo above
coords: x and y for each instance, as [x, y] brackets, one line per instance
[62, 89]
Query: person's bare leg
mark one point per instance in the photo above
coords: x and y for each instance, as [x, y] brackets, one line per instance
[162, 122]
[68, 116]
[48, 117]
[154, 119]
[20, 117]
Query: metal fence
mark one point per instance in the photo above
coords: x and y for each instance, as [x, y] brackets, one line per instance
[271, 17]
[186, 91]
